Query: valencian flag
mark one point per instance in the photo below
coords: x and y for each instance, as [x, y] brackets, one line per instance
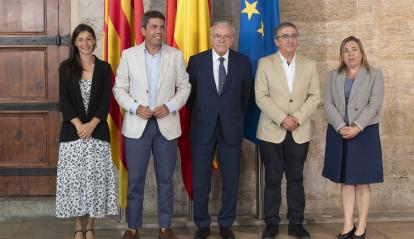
[122, 29]
[187, 26]
[258, 18]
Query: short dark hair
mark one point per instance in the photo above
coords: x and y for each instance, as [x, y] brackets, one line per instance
[151, 14]
[283, 25]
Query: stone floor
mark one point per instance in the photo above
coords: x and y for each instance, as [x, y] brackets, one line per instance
[109, 228]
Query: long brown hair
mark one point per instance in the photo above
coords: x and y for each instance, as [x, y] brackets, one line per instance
[73, 63]
[364, 62]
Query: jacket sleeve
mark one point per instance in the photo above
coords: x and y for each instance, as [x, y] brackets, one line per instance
[247, 84]
[103, 105]
[375, 101]
[334, 117]
[262, 94]
[192, 80]
[65, 104]
[121, 87]
[312, 99]
[182, 84]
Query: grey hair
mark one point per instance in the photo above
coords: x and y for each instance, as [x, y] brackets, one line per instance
[283, 25]
[222, 22]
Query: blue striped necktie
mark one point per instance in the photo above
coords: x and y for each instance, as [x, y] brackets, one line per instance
[222, 75]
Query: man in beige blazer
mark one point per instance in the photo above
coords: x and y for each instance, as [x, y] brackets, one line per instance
[151, 86]
[287, 93]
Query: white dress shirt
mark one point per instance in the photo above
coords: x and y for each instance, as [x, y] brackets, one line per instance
[216, 64]
[289, 69]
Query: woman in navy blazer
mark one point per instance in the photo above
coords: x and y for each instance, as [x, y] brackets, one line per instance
[85, 180]
[353, 98]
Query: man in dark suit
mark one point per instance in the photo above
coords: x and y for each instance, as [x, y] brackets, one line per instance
[221, 81]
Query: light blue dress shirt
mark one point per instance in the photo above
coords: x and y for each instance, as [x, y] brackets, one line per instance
[152, 64]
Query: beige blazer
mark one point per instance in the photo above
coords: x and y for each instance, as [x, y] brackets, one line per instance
[131, 85]
[276, 102]
[365, 100]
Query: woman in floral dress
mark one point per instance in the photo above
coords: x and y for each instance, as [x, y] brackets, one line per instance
[85, 179]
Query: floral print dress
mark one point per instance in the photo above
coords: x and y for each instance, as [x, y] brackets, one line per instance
[85, 177]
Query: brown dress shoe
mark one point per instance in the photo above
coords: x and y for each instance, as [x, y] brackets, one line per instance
[167, 234]
[130, 235]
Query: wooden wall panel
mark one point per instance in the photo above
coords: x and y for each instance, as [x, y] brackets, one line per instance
[24, 73]
[22, 16]
[23, 141]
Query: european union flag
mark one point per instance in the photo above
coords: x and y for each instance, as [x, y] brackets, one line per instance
[258, 18]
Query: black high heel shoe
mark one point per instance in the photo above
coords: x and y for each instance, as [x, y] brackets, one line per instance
[348, 235]
[360, 236]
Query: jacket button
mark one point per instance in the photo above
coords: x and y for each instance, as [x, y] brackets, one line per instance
[146, 91]
[290, 100]
[356, 109]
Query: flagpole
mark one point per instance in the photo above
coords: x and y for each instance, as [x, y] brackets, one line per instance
[259, 183]
[190, 209]
[122, 215]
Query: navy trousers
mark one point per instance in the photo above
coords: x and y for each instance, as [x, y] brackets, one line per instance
[138, 153]
[229, 165]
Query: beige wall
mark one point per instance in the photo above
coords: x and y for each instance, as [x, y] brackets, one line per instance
[386, 28]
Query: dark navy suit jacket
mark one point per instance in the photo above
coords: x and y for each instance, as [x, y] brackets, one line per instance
[207, 106]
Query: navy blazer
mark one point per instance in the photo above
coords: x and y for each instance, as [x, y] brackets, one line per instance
[207, 106]
[71, 104]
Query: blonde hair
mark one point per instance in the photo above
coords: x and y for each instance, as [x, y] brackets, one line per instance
[364, 62]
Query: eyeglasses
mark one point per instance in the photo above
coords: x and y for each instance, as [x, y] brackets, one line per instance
[286, 37]
[222, 37]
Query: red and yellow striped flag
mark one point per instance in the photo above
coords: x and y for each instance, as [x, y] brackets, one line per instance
[188, 26]
[122, 29]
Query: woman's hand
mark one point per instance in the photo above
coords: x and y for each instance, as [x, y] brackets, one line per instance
[85, 130]
[348, 132]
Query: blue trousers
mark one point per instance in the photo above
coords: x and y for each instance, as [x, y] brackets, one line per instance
[229, 165]
[138, 153]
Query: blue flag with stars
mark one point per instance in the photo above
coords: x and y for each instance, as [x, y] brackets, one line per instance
[258, 18]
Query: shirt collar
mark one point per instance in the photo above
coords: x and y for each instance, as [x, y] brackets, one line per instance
[217, 56]
[283, 59]
[156, 54]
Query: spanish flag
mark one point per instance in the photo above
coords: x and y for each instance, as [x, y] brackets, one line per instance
[122, 29]
[188, 26]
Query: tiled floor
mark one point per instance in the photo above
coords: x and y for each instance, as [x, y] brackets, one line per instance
[63, 229]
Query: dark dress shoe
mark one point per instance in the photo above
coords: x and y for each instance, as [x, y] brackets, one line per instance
[298, 231]
[167, 234]
[202, 233]
[227, 233]
[270, 232]
[130, 235]
[348, 235]
[360, 236]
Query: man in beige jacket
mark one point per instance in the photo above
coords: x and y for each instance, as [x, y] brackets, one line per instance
[287, 93]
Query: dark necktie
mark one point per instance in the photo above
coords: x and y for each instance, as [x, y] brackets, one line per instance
[222, 75]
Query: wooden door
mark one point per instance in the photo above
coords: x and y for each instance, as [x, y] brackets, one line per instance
[34, 39]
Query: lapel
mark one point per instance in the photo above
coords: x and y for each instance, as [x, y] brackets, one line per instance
[141, 65]
[362, 72]
[95, 83]
[165, 59]
[78, 96]
[231, 65]
[282, 81]
[299, 71]
[210, 71]
[340, 87]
